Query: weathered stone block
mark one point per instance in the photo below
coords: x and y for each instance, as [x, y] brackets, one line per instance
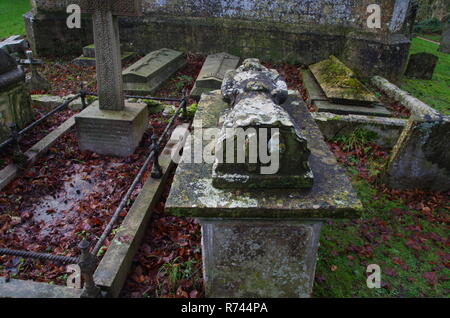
[108, 132]
[88, 57]
[259, 259]
[340, 84]
[193, 195]
[421, 158]
[48, 102]
[213, 73]
[15, 105]
[421, 66]
[377, 110]
[146, 75]
[387, 130]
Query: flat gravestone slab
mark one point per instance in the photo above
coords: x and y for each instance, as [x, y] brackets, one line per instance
[146, 75]
[332, 195]
[340, 84]
[327, 107]
[213, 73]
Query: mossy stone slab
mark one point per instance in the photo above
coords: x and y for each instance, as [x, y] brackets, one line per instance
[340, 84]
[332, 196]
[84, 61]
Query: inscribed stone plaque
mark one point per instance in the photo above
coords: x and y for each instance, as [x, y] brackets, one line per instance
[340, 83]
[147, 74]
[213, 72]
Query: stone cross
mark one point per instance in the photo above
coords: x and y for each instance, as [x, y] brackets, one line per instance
[107, 46]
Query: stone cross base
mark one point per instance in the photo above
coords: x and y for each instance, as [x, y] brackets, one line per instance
[259, 258]
[113, 133]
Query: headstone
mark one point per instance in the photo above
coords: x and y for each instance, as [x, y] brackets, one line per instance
[88, 57]
[35, 81]
[259, 242]
[146, 75]
[96, 125]
[445, 43]
[212, 73]
[421, 66]
[340, 84]
[261, 91]
[319, 100]
[421, 158]
[15, 105]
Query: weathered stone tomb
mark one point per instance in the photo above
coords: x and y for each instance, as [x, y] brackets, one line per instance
[260, 242]
[146, 75]
[15, 105]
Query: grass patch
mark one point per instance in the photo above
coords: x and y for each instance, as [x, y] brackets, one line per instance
[432, 37]
[436, 92]
[11, 21]
[405, 233]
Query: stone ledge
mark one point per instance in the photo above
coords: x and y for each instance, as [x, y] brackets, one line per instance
[28, 289]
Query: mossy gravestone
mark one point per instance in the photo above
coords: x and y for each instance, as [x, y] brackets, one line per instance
[421, 66]
[340, 83]
[259, 242]
[14, 98]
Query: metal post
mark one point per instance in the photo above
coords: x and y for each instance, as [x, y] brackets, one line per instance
[183, 104]
[87, 265]
[156, 168]
[83, 94]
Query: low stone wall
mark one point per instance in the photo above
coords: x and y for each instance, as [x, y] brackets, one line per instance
[388, 130]
[300, 31]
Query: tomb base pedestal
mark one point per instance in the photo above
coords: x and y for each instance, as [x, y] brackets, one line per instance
[113, 133]
[255, 258]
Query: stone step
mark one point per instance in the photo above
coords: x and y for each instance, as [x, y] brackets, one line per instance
[328, 107]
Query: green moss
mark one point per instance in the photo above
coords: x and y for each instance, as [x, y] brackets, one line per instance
[436, 92]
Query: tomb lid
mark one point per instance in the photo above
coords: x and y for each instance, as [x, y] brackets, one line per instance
[214, 69]
[193, 195]
[149, 64]
[340, 84]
